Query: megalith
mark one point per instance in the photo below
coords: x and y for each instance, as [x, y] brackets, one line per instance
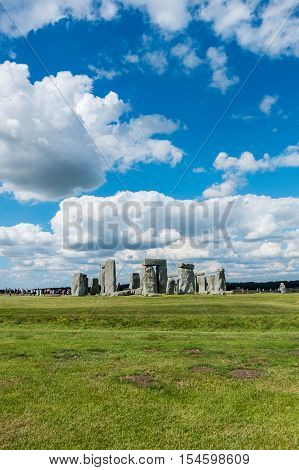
[171, 286]
[201, 283]
[108, 277]
[102, 278]
[78, 285]
[220, 282]
[154, 276]
[211, 284]
[95, 288]
[186, 282]
[149, 280]
[134, 281]
[85, 284]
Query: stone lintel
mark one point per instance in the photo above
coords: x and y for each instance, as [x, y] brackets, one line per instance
[154, 262]
[185, 266]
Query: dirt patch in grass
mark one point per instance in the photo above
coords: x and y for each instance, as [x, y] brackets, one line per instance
[142, 380]
[66, 355]
[13, 380]
[203, 369]
[296, 352]
[194, 352]
[11, 429]
[245, 373]
[15, 355]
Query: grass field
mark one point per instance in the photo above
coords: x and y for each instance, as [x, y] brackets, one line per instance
[149, 373]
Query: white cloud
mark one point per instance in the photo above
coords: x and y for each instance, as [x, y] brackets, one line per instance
[235, 169]
[264, 27]
[131, 58]
[32, 15]
[267, 103]
[218, 62]
[227, 188]
[267, 250]
[259, 26]
[108, 9]
[171, 15]
[157, 60]
[187, 54]
[100, 73]
[199, 170]
[247, 163]
[259, 239]
[45, 151]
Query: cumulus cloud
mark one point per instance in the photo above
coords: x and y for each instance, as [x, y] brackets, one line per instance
[57, 138]
[254, 237]
[235, 169]
[17, 17]
[187, 54]
[171, 15]
[108, 9]
[263, 27]
[267, 103]
[218, 62]
[259, 26]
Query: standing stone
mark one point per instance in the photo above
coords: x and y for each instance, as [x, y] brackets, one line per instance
[201, 283]
[220, 282]
[186, 283]
[95, 289]
[138, 291]
[159, 270]
[134, 281]
[282, 288]
[149, 281]
[162, 279]
[171, 286]
[86, 284]
[110, 277]
[211, 284]
[102, 279]
[78, 285]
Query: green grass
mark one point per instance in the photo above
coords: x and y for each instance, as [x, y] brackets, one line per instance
[67, 369]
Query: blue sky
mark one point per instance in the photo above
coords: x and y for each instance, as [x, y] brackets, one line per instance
[187, 75]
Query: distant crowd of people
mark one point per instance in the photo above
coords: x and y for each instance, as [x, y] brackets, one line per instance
[34, 292]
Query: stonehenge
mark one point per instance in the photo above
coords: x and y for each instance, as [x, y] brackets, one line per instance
[171, 287]
[149, 281]
[154, 276]
[108, 277]
[134, 281]
[79, 285]
[211, 284]
[186, 283]
[201, 283]
[154, 281]
[220, 282]
[95, 288]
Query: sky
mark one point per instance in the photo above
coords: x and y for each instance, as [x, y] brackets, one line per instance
[148, 128]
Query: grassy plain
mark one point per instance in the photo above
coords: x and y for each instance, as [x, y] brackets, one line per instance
[149, 373]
